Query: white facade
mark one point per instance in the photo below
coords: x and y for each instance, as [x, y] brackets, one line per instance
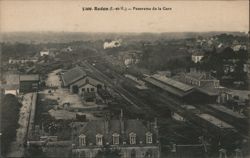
[21, 61]
[239, 47]
[197, 58]
[42, 53]
[112, 44]
[11, 91]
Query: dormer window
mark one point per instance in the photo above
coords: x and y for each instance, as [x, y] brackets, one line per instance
[132, 138]
[99, 139]
[149, 139]
[82, 140]
[115, 138]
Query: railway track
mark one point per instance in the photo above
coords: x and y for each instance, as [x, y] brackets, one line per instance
[163, 101]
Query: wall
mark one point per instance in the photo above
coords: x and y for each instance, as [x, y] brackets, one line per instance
[126, 151]
[28, 86]
[86, 87]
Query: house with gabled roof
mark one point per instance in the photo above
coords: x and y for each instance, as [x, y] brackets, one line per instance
[128, 136]
[81, 82]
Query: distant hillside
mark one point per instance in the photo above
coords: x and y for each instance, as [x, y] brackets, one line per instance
[59, 37]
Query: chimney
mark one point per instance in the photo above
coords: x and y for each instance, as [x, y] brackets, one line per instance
[106, 124]
[155, 128]
[155, 123]
[122, 122]
[148, 125]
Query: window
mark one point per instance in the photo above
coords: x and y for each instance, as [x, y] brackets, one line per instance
[99, 139]
[83, 89]
[92, 89]
[116, 138]
[82, 140]
[132, 138]
[149, 138]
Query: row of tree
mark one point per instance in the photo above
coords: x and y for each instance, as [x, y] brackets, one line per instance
[9, 111]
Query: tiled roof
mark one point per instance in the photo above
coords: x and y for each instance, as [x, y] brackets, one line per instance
[73, 75]
[92, 128]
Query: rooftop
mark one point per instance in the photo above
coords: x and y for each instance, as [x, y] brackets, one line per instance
[174, 83]
[108, 128]
[200, 75]
[167, 87]
[12, 79]
[32, 77]
[73, 75]
[198, 54]
[9, 87]
[227, 110]
[215, 121]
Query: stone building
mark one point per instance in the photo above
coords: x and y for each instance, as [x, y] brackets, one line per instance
[129, 137]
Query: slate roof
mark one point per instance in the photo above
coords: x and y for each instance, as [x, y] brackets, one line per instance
[92, 128]
[73, 75]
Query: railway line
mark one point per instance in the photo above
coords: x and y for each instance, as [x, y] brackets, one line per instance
[163, 101]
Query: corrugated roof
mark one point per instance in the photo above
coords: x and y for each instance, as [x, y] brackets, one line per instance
[73, 75]
[32, 77]
[174, 83]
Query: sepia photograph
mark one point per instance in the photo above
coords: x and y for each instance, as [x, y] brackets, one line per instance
[124, 79]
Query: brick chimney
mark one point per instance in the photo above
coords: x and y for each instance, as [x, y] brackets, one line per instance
[122, 122]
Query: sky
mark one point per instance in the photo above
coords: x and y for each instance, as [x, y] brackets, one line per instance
[68, 16]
